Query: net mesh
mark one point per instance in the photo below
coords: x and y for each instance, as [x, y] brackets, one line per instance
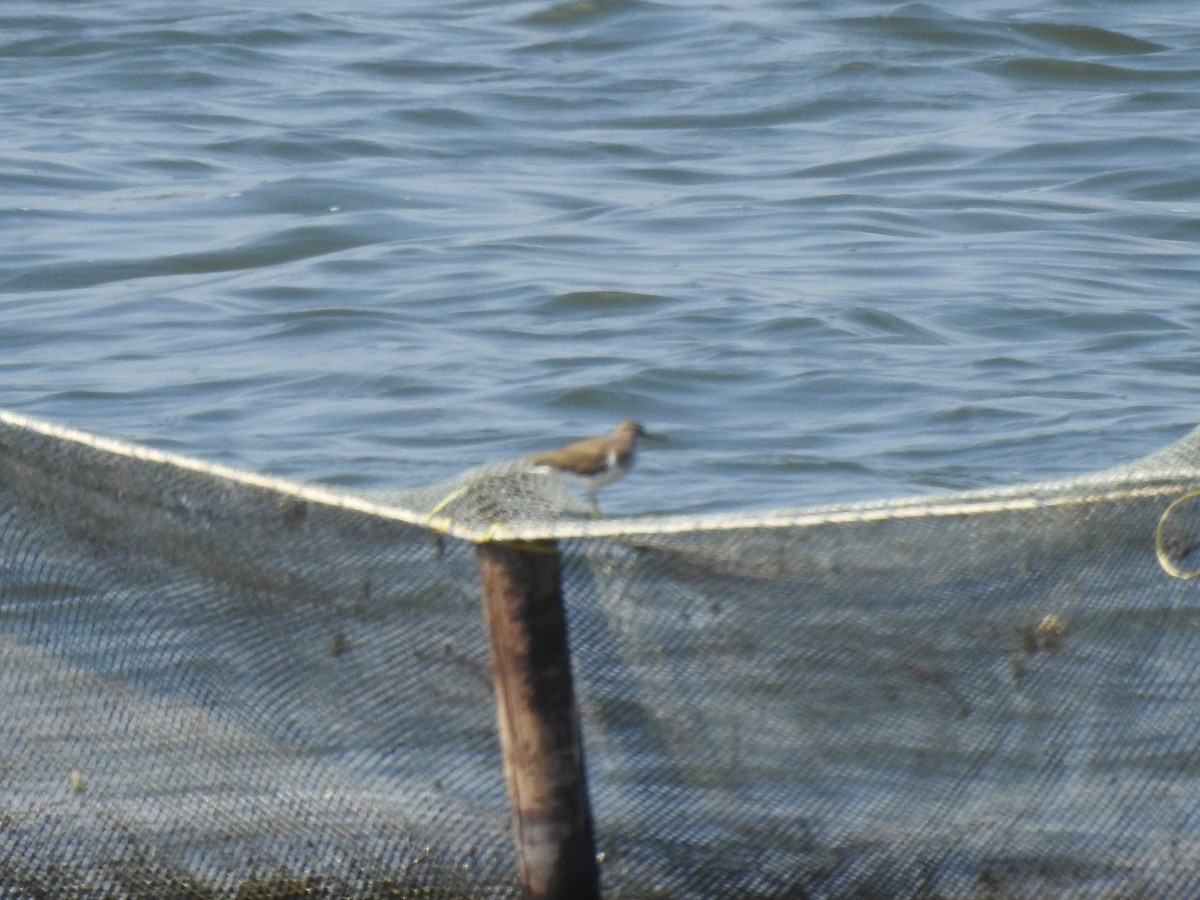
[221, 685]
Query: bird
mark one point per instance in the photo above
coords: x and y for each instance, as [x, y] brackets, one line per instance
[595, 462]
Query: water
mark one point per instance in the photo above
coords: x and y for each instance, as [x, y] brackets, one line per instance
[828, 250]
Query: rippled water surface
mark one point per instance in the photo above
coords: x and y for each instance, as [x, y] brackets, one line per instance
[828, 250]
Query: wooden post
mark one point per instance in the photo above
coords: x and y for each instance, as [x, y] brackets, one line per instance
[539, 723]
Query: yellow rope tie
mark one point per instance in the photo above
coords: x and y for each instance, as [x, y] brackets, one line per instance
[441, 525]
[447, 500]
[1160, 548]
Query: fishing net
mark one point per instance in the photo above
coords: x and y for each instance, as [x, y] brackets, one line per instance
[220, 685]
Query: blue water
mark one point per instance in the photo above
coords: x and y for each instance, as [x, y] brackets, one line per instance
[828, 250]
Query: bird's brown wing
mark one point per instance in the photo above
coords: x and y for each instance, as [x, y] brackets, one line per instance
[585, 457]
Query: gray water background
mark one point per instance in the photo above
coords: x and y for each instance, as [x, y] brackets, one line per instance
[829, 251]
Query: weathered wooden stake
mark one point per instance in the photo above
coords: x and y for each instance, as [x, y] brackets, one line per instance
[539, 723]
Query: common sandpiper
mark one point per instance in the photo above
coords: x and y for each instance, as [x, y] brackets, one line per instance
[595, 462]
